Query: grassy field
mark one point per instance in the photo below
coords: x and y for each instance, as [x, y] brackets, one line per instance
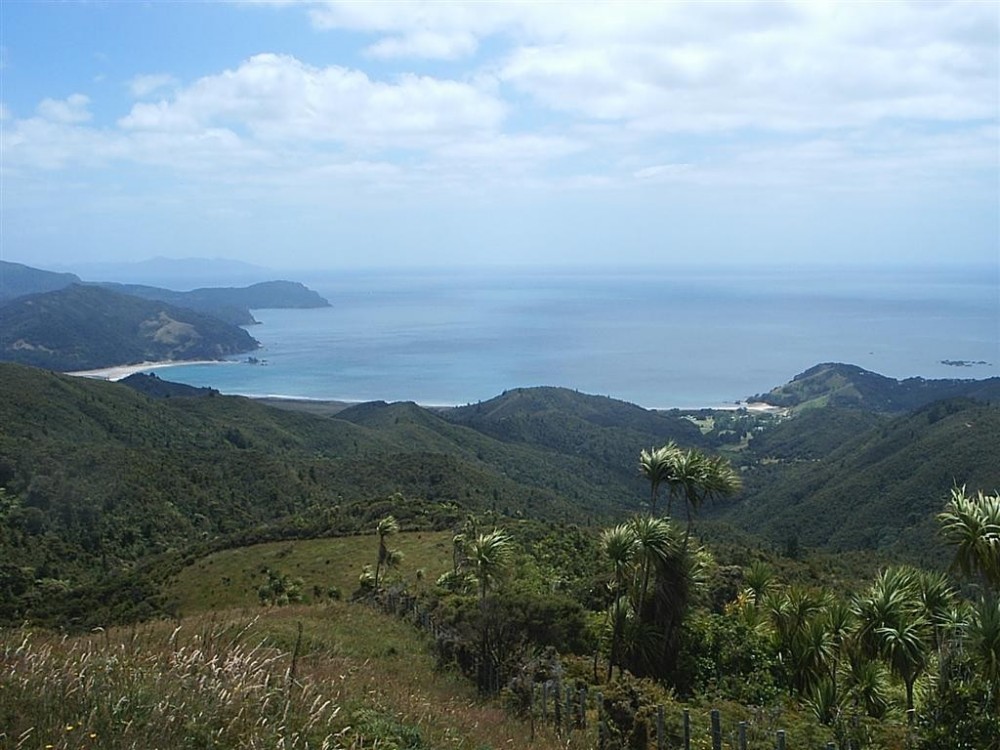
[231, 579]
[359, 680]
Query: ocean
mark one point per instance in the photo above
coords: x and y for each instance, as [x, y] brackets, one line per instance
[660, 338]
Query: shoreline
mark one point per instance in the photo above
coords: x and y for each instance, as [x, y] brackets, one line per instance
[120, 372]
[754, 407]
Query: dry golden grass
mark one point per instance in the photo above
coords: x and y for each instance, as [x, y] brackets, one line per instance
[354, 679]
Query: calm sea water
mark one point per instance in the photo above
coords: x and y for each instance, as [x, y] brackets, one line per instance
[658, 339]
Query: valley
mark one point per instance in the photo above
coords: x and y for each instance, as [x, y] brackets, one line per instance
[143, 501]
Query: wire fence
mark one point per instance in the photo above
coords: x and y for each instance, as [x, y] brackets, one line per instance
[570, 708]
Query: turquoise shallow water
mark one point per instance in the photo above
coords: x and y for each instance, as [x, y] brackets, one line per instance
[659, 339]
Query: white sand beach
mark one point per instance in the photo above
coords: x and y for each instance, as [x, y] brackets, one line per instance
[752, 407]
[120, 372]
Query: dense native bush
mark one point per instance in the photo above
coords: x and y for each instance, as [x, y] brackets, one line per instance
[723, 655]
[497, 635]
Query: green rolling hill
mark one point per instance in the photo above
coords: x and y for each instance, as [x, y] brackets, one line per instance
[99, 479]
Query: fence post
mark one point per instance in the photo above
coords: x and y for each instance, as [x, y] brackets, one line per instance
[781, 739]
[569, 708]
[557, 703]
[743, 735]
[545, 700]
[661, 735]
[716, 730]
[600, 720]
[583, 708]
[687, 729]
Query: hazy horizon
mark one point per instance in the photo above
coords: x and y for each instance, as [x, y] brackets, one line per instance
[183, 274]
[347, 135]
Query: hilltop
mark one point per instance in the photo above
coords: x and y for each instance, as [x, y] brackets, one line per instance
[18, 280]
[836, 384]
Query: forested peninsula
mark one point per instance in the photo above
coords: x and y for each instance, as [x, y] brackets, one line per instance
[57, 321]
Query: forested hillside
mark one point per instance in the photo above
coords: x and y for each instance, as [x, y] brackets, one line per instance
[97, 476]
[598, 427]
[850, 480]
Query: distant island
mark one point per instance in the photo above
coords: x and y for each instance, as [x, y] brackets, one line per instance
[965, 362]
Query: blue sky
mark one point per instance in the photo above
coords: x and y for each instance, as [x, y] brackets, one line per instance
[322, 134]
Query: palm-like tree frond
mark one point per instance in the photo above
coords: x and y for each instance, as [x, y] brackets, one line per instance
[759, 580]
[892, 600]
[387, 526]
[655, 542]
[721, 479]
[905, 648]
[972, 524]
[656, 465]
[812, 653]
[489, 555]
[655, 538]
[687, 474]
[840, 620]
[824, 702]
[867, 687]
[937, 600]
[984, 637]
[620, 544]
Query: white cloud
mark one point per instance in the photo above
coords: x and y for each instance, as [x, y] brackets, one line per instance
[71, 109]
[661, 171]
[143, 85]
[611, 95]
[807, 72]
[510, 149]
[706, 67]
[425, 45]
[277, 97]
[480, 19]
